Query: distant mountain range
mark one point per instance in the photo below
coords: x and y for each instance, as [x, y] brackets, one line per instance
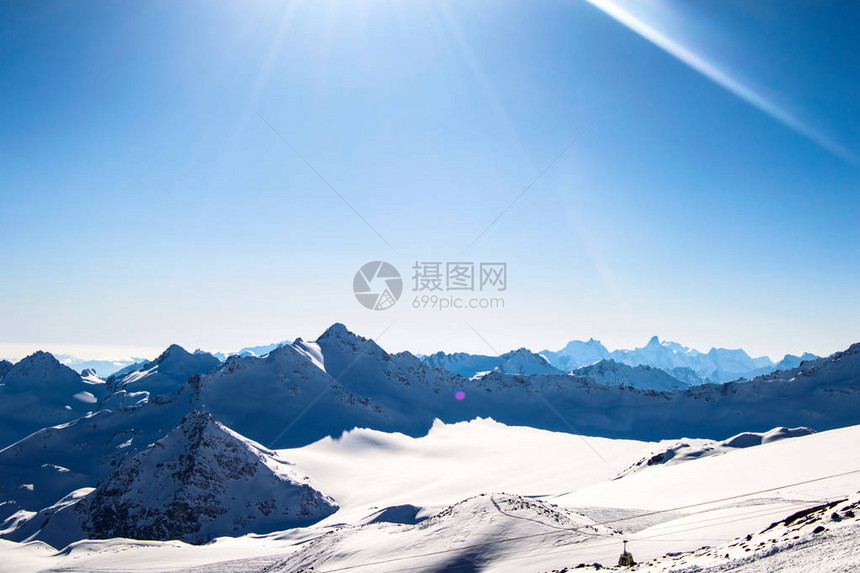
[248, 350]
[520, 361]
[64, 434]
[682, 363]
[101, 367]
[687, 366]
[105, 368]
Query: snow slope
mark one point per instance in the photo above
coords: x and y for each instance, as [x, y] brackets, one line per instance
[38, 391]
[619, 504]
[5, 366]
[200, 481]
[548, 489]
[469, 531]
[611, 373]
[822, 538]
[462, 363]
[576, 354]
[692, 449]
[165, 374]
[520, 361]
[790, 361]
[526, 362]
[367, 470]
[48, 464]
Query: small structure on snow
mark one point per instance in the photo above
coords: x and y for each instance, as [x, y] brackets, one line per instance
[626, 558]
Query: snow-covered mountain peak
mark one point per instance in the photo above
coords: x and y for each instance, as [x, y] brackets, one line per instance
[577, 353]
[524, 361]
[165, 374]
[521, 352]
[591, 342]
[462, 363]
[176, 352]
[5, 366]
[39, 391]
[338, 338]
[407, 359]
[176, 356]
[612, 373]
[337, 330]
[40, 364]
[193, 427]
[200, 481]
[838, 367]
[690, 365]
[790, 361]
[40, 370]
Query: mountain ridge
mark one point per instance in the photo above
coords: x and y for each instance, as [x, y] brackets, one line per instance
[200, 481]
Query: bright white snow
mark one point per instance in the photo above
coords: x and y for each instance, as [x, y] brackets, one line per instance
[549, 489]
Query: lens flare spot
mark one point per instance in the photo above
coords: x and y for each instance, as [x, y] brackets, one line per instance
[460, 395]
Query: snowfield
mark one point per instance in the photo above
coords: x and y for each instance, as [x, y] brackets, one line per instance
[482, 496]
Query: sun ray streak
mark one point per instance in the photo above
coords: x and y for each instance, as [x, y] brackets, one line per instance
[720, 77]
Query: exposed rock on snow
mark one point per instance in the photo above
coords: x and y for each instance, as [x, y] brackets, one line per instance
[5, 366]
[823, 539]
[690, 449]
[200, 481]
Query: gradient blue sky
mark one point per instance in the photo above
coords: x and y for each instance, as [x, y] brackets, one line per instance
[715, 201]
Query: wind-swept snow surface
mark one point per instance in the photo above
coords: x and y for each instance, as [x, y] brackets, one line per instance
[548, 503]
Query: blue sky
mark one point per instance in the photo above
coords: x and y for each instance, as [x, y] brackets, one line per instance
[145, 202]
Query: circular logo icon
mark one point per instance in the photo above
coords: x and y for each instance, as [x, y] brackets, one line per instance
[377, 285]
